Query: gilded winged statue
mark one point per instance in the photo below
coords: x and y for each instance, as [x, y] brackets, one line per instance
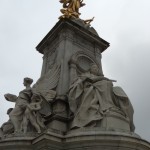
[71, 8]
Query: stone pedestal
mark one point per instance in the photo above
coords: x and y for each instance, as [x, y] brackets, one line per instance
[60, 117]
[83, 139]
[114, 121]
[69, 44]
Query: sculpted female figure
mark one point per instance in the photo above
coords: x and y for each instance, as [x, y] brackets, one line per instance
[16, 115]
[90, 96]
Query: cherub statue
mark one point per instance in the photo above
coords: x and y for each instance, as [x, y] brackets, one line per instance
[32, 115]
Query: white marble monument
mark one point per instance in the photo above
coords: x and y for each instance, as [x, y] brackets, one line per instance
[72, 105]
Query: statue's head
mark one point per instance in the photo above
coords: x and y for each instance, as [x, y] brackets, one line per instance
[36, 98]
[94, 69]
[27, 81]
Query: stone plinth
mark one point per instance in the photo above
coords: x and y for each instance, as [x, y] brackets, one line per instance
[83, 139]
[69, 44]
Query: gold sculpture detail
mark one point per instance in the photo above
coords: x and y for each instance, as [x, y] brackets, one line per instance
[71, 8]
[88, 21]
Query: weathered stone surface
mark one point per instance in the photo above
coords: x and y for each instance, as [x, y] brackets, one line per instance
[69, 42]
[7, 127]
[21, 102]
[78, 140]
[66, 39]
[72, 105]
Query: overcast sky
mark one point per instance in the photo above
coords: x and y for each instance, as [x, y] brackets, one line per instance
[125, 24]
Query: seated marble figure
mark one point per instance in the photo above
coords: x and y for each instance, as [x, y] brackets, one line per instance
[91, 97]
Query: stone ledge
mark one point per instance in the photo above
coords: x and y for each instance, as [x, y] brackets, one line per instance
[78, 140]
[74, 26]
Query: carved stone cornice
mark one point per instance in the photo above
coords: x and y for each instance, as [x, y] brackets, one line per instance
[73, 25]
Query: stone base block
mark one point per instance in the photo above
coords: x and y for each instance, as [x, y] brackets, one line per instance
[83, 139]
[57, 125]
[114, 121]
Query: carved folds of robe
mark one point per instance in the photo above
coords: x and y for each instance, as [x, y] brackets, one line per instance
[90, 96]
[122, 101]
